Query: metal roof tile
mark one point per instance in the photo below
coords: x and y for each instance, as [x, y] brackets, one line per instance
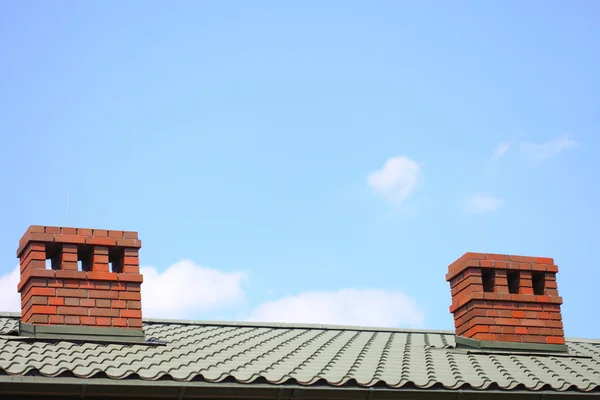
[306, 354]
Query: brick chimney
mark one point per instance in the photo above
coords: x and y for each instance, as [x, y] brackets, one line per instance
[506, 299]
[92, 280]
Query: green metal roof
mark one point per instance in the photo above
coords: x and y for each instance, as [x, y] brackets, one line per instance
[306, 355]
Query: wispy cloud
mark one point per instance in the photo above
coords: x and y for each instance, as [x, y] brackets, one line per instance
[343, 307]
[539, 152]
[482, 203]
[396, 180]
[500, 150]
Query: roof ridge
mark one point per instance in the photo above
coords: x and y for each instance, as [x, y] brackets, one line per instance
[289, 325]
[295, 325]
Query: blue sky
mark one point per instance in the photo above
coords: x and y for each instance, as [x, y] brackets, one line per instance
[328, 158]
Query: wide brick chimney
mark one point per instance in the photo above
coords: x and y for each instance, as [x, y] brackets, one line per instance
[91, 280]
[506, 299]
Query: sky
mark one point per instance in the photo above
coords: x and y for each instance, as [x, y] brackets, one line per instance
[314, 161]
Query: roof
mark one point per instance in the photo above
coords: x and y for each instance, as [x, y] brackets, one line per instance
[305, 355]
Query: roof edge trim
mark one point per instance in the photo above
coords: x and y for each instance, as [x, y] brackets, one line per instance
[24, 384]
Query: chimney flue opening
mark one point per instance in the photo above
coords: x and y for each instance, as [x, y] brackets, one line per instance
[488, 277]
[514, 279]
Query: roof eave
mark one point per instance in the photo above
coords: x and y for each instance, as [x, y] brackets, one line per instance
[82, 388]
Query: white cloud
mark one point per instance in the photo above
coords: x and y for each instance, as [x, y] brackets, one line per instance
[9, 297]
[396, 180]
[343, 307]
[481, 203]
[500, 150]
[539, 152]
[185, 288]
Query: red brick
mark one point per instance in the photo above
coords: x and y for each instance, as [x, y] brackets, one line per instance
[69, 266]
[37, 300]
[74, 239]
[102, 276]
[134, 322]
[102, 285]
[129, 243]
[69, 231]
[72, 311]
[137, 305]
[131, 260]
[103, 312]
[119, 322]
[533, 322]
[129, 296]
[72, 320]
[42, 291]
[115, 234]
[103, 321]
[533, 339]
[555, 340]
[103, 303]
[72, 293]
[100, 233]
[553, 324]
[104, 294]
[507, 321]
[100, 267]
[509, 338]
[133, 287]
[88, 320]
[71, 274]
[56, 301]
[38, 319]
[486, 336]
[495, 329]
[100, 259]
[71, 284]
[43, 309]
[100, 241]
[127, 277]
[84, 232]
[119, 304]
[521, 330]
[86, 285]
[56, 283]
[138, 314]
[131, 252]
[87, 303]
[56, 319]
[119, 286]
[36, 229]
[72, 301]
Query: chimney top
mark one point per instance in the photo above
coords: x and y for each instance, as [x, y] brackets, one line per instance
[91, 285]
[506, 301]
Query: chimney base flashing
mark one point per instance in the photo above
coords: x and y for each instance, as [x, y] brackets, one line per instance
[84, 333]
[463, 342]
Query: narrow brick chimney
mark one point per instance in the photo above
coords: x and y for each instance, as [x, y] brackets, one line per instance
[91, 280]
[506, 299]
